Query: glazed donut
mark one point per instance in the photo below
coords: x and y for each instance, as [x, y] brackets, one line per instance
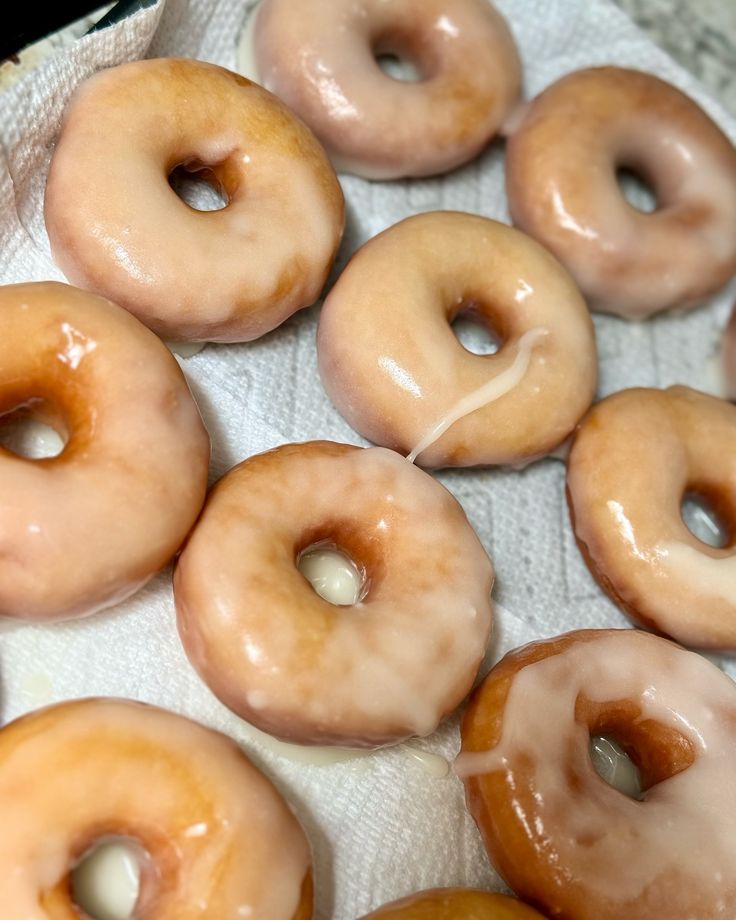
[116, 226]
[76, 773]
[561, 181]
[135, 461]
[320, 58]
[563, 838]
[634, 458]
[295, 665]
[455, 904]
[394, 369]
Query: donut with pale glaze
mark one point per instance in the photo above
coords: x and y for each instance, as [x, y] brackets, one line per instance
[636, 455]
[319, 56]
[392, 366]
[562, 161]
[117, 227]
[185, 796]
[85, 529]
[564, 839]
[279, 655]
[455, 904]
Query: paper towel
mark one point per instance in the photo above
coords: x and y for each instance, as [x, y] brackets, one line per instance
[380, 826]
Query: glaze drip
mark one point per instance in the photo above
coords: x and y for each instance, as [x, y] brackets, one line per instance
[494, 389]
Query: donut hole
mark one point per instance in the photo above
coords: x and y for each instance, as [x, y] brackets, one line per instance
[474, 332]
[398, 67]
[33, 430]
[401, 54]
[332, 573]
[636, 189]
[703, 519]
[199, 187]
[105, 883]
[613, 764]
[619, 729]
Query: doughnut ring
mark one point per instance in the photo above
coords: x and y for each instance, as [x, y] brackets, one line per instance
[455, 904]
[321, 60]
[116, 226]
[393, 368]
[561, 181]
[135, 460]
[633, 459]
[186, 795]
[299, 667]
[564, 839]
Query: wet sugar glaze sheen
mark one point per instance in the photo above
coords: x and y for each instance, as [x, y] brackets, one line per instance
[561, 836]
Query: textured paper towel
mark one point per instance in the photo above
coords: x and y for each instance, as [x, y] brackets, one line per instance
[380, 826]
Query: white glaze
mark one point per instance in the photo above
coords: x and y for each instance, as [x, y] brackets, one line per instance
[229, 275]
[435, 765]
[185, 794]
[113, 384]
[31, 438]
[313, 755]
[319, 56]
[701, 522]
[392, 366]
[247, 64]
[715, 376]
[332, 574]
[683, 826]
[399, 68]
[613, 765]
[561, 167]
[106, 882]
[303, 669]
[38, 687]
[713, 576]
[634, 457]
[497, 387]
[185, 349]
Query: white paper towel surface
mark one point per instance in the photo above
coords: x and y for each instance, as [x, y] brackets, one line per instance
[380, 826]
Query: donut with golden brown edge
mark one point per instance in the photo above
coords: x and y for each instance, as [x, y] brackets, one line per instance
[85, 529]
[455, 904]
[562, 161]
[117, 227]
[564, 839]
[279, 655]
[184, 794]
[394, 369]
[634, 458]
[320, 58]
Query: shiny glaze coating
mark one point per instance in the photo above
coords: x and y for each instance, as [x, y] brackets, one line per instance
[634, 458]
[393, 367]
[561, 183]
[320, 57]
[298, 667]
[85, 529]
[563, 838]
[216, 837]
[455, 904]
[117, 227]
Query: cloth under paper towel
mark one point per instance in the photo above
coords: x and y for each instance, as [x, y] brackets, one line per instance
[380, 826]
